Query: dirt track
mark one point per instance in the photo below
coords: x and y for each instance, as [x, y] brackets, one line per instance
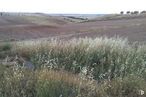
[133, 29]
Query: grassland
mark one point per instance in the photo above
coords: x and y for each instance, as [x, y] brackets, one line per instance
[16, 27]
[84, 67]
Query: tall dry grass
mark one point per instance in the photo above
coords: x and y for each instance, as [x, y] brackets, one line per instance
[21, 82]
[101, 67]
[103, 58]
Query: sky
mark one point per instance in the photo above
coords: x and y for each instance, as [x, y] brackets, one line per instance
[72, 6]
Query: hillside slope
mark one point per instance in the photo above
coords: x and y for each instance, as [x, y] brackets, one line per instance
[41, 26]
[31, 19]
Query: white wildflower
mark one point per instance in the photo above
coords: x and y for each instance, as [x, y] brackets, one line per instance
[84, 70]
[141, 92]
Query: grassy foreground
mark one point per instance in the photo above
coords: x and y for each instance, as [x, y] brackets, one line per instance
[101, 67]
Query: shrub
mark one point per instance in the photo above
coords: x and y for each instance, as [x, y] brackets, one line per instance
[122, 12]
[128, 12]
[136, 12]
[5, 47]
[143, 12]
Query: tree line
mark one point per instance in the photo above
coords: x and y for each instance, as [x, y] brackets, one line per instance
[133, 12]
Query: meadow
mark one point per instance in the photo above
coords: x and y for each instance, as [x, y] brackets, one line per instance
[84, 67]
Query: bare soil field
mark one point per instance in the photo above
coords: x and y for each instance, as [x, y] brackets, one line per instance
[16, 28]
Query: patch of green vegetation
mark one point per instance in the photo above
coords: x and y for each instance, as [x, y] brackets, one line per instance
[104, 58]
[5, 47]
[20, 82]
[101, 67]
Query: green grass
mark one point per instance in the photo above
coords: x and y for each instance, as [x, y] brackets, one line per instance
[101, 67]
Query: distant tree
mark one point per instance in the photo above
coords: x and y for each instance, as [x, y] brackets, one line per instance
[122, 12]
[131, 12]
[128, 12]
[143, 12]
[136, 12]
[1, 14]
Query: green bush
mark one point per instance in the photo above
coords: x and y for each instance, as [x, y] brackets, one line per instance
[5, 47]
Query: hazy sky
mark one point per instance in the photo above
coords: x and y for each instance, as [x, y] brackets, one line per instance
[72, 6]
